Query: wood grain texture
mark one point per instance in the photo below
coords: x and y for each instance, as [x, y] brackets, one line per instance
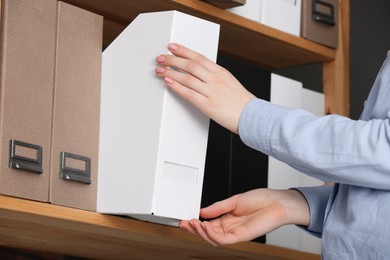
[248, 40]
[41, 226]
[224, 4]
[336, 79]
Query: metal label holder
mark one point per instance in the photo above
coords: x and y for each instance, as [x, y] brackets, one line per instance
[24, 163]
[320, 16]
[72, 174]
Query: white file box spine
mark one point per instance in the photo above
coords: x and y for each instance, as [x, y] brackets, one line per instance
[284, 15]
[152, 142]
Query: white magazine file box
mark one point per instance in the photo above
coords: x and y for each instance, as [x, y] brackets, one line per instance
[152, 142]
[284, 15]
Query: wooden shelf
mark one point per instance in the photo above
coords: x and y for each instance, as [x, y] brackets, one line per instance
[240, 37]
[41, 226]
[247, 40]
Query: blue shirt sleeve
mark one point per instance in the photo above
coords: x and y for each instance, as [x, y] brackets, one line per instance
[317, 198]
[331, 148]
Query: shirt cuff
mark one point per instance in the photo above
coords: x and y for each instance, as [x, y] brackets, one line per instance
[317, 198]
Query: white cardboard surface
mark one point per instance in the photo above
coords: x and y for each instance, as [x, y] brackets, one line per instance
[284, 15]
[152, 142]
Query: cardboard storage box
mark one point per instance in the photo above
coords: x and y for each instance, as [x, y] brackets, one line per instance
[75, 133]
[320, 21]
[28, 37]
[284, 15]
[152, 142]
[50, 70]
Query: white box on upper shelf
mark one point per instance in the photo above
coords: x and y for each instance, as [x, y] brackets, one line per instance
[284, 15]
[152, 142]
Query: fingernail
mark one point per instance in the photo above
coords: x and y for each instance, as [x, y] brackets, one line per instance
[168, 80]
[160, 58]
[159, 70]
[173, 46]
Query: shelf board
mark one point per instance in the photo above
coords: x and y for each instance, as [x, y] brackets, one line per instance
[240, 37]
[41, 226]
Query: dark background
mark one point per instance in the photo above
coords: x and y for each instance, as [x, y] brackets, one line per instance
[369, 43]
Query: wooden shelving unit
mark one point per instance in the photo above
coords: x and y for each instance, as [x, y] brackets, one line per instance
[40, 226]
[247, 40]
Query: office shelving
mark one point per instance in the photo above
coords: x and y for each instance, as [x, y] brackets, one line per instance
[42, 226]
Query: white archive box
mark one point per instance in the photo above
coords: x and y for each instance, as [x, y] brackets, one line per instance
[284, 15]
[152, 142]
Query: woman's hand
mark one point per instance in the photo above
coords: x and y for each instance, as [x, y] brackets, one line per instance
[208, 86]
[249, 215]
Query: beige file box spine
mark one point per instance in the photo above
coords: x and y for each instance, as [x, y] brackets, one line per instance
[27, 61]
[76, 108]
[319, 30]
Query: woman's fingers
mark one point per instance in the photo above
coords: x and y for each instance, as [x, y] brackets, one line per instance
[182, 51]
[219, 208]
[209, 87]
[183, 79]
[186, 225]
[200, 229]
[216, 233]
[189, 61]
[183, 65]
[194, 97]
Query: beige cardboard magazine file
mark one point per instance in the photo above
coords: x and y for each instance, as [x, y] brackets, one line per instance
[50, 94]
[75, 143]
[320, 21]
[28, 36]
[152, 142]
